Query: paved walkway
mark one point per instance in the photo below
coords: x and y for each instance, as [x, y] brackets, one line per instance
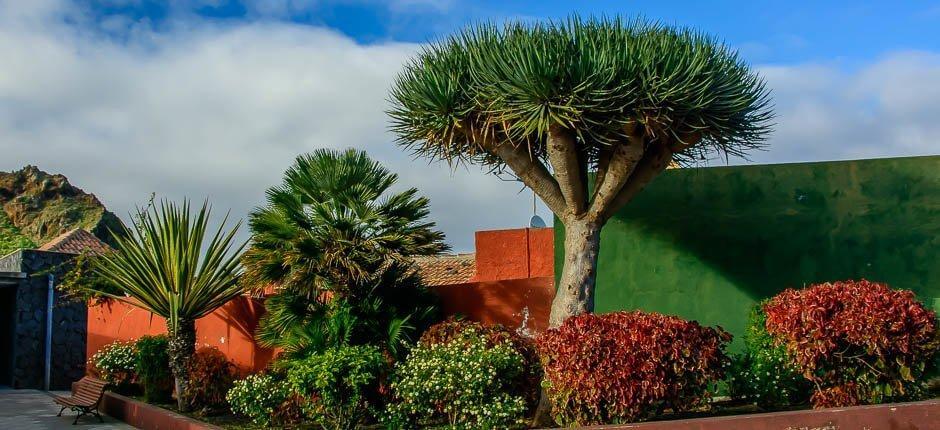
[33, 409]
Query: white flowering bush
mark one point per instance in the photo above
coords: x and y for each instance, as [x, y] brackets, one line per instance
[461, 384]
[116, 362]
[258, 397]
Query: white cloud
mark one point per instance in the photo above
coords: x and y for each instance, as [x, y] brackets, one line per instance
[217, 111]
[885, 109]
[220, 110]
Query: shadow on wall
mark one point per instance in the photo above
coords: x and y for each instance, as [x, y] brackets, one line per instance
[708, 243]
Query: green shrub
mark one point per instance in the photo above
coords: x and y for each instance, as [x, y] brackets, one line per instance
[465, 383]
[116, 363]
[763, 374]
[260, 398]
[153, 368]
[213, 375]
[340, 384]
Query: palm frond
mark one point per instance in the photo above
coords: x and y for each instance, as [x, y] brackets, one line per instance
[166, 266]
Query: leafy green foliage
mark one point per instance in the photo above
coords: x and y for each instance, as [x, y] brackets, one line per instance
[337, 244]
[214, 375]
[340, 383]
[11, 239]
[261, 398]
[153, 368]
[82, 283]
[596, 77]
[116, 363]
[463, 383]
[166, 266]
[763, 374]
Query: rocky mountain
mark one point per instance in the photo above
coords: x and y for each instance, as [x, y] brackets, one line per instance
[38, 206]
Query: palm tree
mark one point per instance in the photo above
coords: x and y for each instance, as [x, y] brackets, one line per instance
[338, 245]
[165, 266]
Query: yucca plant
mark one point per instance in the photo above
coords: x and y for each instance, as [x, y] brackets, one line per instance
[337, 243]
[554, 102]
[164, 265]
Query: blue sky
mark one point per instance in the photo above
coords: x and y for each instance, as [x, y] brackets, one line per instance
[214, 98]
[847, 32]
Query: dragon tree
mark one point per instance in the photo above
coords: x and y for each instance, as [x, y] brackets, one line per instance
[556, 103]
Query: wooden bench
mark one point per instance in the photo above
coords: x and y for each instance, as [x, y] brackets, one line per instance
[85, 399]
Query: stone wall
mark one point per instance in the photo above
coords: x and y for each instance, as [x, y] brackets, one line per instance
[69, 320]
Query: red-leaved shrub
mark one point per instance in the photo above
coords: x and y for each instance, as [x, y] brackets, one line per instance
[625, 366]
[858, 341]
[212, 375]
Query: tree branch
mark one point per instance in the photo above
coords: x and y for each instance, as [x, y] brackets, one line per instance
[603, 161]
[527, 168]
[563, 156]
[654, 161]
[623, 161]
[685, 141]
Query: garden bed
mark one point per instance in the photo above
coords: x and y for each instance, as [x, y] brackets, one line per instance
[146, 416]
[893, 416]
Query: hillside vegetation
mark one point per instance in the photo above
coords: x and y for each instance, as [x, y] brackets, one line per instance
[38, 206]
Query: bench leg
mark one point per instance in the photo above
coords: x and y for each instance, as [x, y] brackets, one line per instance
[99, 416]
[80, 414]
[60, 411]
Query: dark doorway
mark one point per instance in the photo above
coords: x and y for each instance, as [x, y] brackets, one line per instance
[7, 327]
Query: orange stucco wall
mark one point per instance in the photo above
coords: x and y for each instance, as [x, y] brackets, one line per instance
[516, 303]
[514, 283]
[229, 329]
[513, 286]
[514, 254]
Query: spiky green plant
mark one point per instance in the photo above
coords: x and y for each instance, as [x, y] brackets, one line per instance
[165, 266]
[552, 102]
[337, 244]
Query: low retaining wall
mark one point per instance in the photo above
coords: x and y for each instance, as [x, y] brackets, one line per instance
[895, 416]
[148, 417]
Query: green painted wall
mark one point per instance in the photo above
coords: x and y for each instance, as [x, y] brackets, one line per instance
[707, 243]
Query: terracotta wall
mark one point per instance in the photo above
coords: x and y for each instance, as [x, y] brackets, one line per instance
[521, 304]
[229, 329]
[513, 286]
[514, 283]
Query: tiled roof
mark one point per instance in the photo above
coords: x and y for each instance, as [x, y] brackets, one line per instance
[447, 269]
[76, 241]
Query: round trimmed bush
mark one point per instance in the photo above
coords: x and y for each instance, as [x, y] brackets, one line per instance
[859, 342]
[528, 383]
[627, 366]
[338, 384]
[465, 376]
